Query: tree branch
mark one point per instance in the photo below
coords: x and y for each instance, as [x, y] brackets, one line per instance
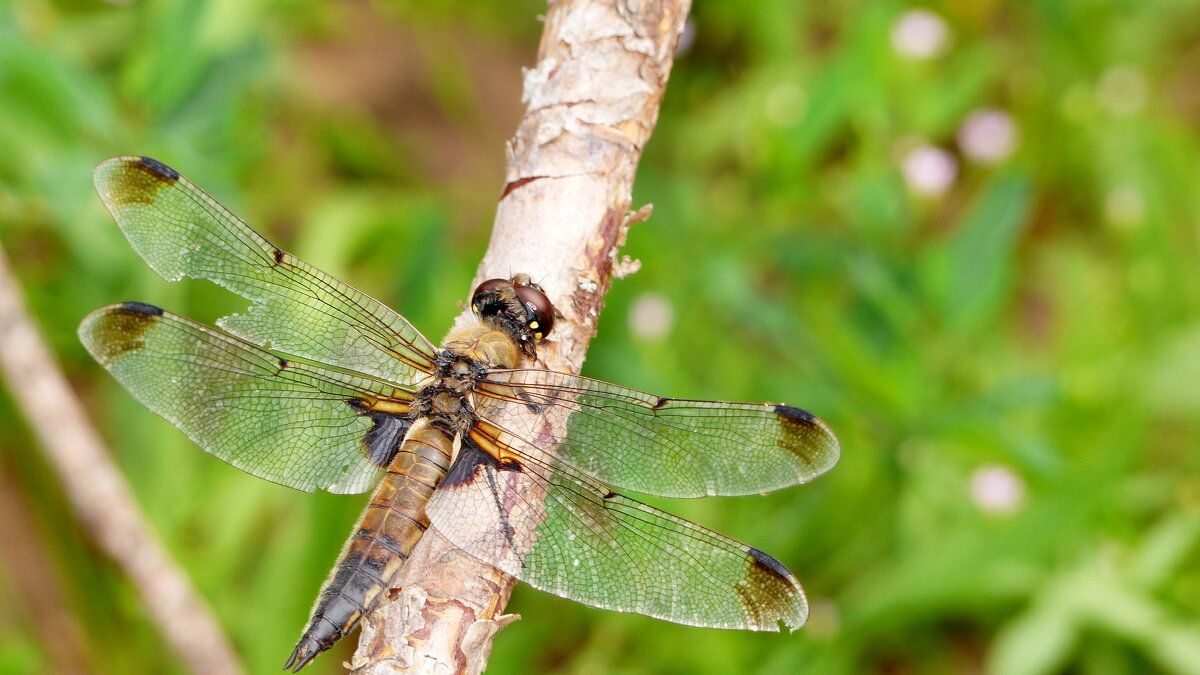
[102, 499]
[592, 101]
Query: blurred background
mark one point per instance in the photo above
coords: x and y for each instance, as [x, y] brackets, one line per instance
[964, 233]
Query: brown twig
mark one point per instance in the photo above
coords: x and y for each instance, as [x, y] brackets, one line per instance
[592, 102]
[98, 492]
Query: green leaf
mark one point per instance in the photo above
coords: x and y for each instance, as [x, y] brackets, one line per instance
[968, 276]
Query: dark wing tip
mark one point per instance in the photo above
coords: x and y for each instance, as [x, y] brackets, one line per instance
[159, 168]
[113, 331]
[130, 179]
[771, 564]
[772, 596]
[810, 438]
[142, 308]
[794, 413]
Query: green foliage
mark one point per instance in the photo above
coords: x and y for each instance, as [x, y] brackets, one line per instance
[1029, 331]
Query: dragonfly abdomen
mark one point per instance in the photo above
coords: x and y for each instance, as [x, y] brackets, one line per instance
[382, 541]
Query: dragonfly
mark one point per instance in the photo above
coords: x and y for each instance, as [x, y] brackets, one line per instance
[318, 386]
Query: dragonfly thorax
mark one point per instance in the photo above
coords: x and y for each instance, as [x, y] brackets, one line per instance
[446, 396]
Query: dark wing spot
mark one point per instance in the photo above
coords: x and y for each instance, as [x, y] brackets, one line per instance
[283, 364]
[160, 169]
[115, 331]
[793, 413]
[383, 440]
[279, 255]
[464, 469]
[660, 403]
[767, 562]
[610, 496]
[530, 404]
[142, 308]
[802, 434]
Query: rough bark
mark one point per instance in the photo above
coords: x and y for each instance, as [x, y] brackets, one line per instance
[592, 101]
[99, 494]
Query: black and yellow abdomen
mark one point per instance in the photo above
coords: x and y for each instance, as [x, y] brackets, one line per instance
[382, 541]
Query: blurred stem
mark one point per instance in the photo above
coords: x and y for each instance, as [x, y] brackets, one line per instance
[592, 102]
[98, 492]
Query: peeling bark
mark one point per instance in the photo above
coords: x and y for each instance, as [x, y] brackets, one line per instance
[592, 101]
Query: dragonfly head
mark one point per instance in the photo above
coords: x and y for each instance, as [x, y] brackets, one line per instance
[517, 306]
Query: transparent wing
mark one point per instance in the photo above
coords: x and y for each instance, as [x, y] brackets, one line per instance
[670, 447]
[299, 425]
[566, 533]
[180, 231]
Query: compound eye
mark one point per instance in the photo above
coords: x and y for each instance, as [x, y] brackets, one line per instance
[543, 310]
[489, 286]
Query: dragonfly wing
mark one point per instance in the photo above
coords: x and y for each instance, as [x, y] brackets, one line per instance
[669, 447]
[181, 231]
[292, 423]
[566, 533]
